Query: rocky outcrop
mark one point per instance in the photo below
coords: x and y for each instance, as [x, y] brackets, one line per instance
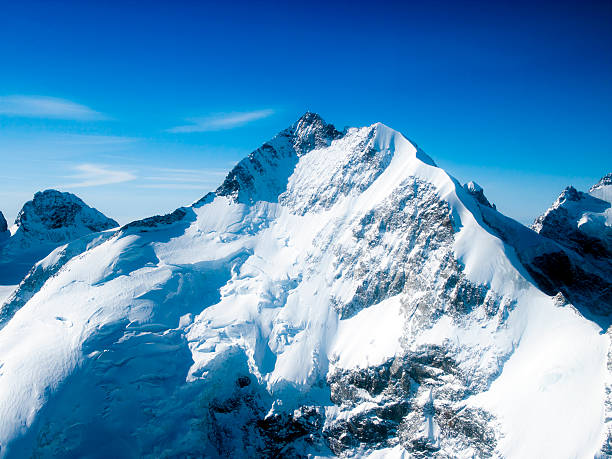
[414, 400]
[478, 193]
[263, 175]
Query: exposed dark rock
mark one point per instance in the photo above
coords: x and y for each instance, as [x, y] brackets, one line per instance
[262, 176]
[3, 224]
[397, 388]
[157, 220]
[53, 209]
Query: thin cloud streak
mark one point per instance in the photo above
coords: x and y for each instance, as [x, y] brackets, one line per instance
[197, 176]
[47, 107]
[97, 175]
[93, 139]
[192, 171]
[205, 187]
[184, 179]
[222, 121]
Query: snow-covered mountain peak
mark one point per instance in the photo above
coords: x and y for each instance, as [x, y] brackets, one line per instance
[603, 188]
[569, 194]
[263, 175]
[606, 180]
[50, 219]
[310, 131]
[575, 210]
[338, 294]
[579, 263]
[56, 216]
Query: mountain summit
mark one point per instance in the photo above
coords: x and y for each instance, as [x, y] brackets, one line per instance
[338, 295]
[50, 219]
[57, 217]
[263, 175]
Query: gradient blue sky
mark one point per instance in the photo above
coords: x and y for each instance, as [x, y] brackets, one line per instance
[142, 107]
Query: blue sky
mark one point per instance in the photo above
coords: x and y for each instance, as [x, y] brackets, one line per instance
[140, 108]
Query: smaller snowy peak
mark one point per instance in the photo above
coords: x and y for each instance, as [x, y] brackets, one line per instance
[603, 188]
[579, 221]
[580, 266]
[477, 192]
[55, 217]
[606, 180]
[55, 209]
[571, 207]
[50, 219]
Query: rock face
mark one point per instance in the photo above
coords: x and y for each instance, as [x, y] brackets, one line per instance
[3, 224]
[50, 219]
[263, 175]
[338, 295]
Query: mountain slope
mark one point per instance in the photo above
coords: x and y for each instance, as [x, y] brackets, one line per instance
[50, 219]
[339, 294]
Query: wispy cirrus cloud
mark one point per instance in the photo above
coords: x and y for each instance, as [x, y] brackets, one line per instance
[96, 175]
[183, 179]
[47, 107]
[221, 121]
[92, 140]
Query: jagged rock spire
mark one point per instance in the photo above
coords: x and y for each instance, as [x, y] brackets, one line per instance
[311, 131]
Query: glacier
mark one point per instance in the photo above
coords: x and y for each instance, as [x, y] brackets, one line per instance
[338, 295]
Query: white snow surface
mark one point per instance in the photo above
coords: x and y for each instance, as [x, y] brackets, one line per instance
[272, 265]
[6, 291]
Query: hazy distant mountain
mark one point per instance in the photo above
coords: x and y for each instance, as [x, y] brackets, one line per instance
[338, 294]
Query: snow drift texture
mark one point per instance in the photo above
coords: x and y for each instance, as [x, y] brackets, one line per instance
[338, 294]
